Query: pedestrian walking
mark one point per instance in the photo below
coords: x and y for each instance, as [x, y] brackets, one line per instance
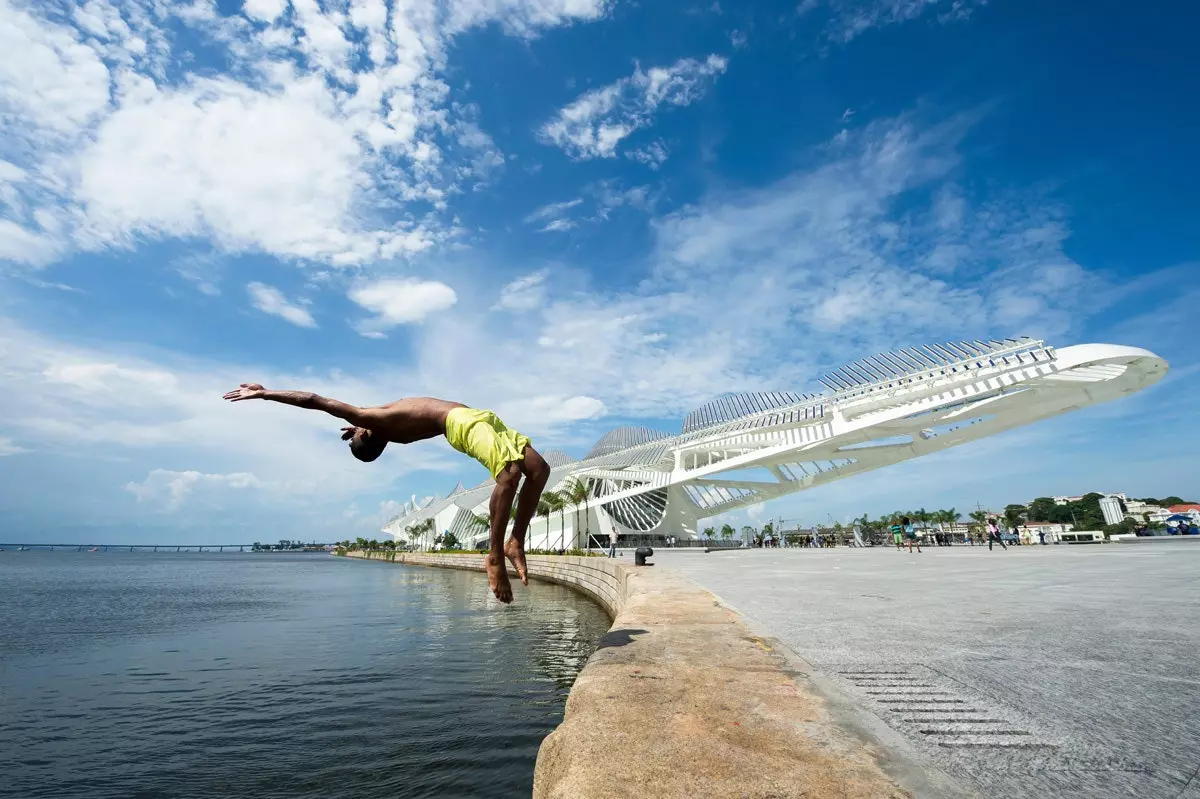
[994, 535]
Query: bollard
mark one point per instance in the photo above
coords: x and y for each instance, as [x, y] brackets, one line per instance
[640, 555]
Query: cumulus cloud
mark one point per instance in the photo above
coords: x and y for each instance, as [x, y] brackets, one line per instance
[330, 137]
[399, 301]
[270, 300]
[170, 488]
[595, 123]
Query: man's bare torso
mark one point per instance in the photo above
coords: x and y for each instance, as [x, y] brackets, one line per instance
[411, 419]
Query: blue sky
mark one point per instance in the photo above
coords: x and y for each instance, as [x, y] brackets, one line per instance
[581, 213]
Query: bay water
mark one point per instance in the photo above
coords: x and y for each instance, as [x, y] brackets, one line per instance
[140, 675]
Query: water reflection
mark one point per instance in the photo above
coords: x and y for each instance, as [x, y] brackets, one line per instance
[234, 676]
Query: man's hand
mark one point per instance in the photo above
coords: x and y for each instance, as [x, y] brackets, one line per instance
[348, 433]
[246, 391]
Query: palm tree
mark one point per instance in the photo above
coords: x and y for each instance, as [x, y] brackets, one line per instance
[707, 532]
[576, 493]
[544, 509]
[480, 520]
[557, 502]
[980, 518]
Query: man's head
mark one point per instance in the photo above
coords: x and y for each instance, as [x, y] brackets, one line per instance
[904, 520]
[364, 445]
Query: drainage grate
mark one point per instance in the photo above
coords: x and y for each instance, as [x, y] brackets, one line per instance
[936, 709]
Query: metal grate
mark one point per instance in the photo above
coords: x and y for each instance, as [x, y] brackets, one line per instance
[933, 708]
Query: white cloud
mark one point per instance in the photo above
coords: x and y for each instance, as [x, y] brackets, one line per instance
[399, 301]
[595, 123]
[552, 210]
[165, 412]
[299, 149]
[557, 226]
[553, 217]
[525, 293]
[851, 18]
[652, 155]
[170, 488]
[9, 447]
[48, 75]
[270, 300]
[201, 270]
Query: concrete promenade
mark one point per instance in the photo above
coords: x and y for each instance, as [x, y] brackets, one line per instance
[1037, 671]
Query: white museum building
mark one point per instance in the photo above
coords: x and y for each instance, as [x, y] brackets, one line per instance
[743, 449]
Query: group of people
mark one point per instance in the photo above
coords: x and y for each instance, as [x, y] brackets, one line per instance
[905, 532]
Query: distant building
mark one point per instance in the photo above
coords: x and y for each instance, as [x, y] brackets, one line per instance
[1052, 530]
[1110, 506]
[1066, 500]
[1138, 510]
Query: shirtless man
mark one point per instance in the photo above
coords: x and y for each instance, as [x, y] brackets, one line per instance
[506, 453]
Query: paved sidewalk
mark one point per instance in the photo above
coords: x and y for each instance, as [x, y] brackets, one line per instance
[1077, 668]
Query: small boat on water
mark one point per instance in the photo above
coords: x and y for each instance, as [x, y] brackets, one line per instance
[94, 549]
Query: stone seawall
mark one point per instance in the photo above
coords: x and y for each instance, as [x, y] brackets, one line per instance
[601, 579]
[681, 699]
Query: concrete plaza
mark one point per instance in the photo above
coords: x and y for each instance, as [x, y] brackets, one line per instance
[1037, 671]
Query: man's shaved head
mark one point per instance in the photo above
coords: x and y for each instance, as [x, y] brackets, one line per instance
[366, 446]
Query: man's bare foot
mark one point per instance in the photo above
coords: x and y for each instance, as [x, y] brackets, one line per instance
[498, 579]
[515, 552]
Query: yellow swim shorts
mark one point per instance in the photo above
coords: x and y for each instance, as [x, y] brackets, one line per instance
[484, 437]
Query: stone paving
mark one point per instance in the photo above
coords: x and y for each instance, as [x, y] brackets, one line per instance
[1037, 671]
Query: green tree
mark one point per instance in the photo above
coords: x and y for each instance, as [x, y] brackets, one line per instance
[1125, 526]
[558, 503]
[768, 529]
[478, 521]
[726, 531]
[1014, 514]
[576, 492]
[980, 518]
[707, 532]
[544, 509]
[1042, 509]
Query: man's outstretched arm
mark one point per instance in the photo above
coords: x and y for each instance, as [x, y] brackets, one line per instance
[302, 399]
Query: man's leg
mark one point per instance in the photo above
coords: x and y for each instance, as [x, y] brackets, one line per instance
[499, 508]
[537, 472]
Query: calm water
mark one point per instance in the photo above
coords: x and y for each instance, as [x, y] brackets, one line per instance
[201, 675]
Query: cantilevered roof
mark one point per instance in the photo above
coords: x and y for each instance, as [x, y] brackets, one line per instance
[623, 438]
[934, 359]
[556, 457]
[735, 406]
